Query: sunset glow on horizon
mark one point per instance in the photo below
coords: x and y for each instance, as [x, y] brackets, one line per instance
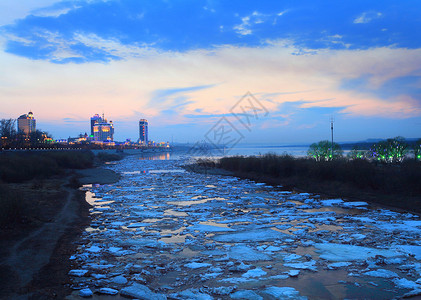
[182, 65]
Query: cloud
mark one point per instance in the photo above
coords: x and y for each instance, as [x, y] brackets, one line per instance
[171, 88]
[103, 31]
[244, 27]
[367, 17]
[55, 10]
[10, 11]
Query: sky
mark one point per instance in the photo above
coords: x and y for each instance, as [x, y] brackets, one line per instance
[188, 66]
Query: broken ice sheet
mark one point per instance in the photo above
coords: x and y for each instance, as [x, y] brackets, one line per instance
[157, 224]
[341, 252]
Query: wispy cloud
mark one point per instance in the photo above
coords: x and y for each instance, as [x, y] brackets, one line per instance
[55, 10]
[367, 17]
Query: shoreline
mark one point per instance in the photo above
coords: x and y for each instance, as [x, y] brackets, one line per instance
[36, 260]
[374, 199]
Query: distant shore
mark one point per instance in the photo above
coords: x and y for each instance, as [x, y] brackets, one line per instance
[396, 187]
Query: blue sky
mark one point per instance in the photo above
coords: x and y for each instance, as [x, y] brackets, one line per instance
[184, 64]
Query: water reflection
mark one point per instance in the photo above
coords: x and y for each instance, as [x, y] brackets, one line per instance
[155, 156]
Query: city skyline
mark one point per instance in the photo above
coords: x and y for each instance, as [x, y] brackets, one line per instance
[305, 62]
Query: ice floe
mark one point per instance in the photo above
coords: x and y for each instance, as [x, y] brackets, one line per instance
[166, 233]
[340, 252]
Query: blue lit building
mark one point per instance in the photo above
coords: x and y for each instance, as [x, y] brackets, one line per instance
[143, 132]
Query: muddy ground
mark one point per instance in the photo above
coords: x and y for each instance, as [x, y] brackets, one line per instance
[35, 251]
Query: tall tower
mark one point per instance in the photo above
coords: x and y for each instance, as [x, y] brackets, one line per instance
[143, 131]
[27, 123]
[95, 119]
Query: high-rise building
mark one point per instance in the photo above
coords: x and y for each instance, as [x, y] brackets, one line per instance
[102, 130]
[143, 131]
[95, 119]
[27, 123]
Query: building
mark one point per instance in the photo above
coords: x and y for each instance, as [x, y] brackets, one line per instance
[143, 132]
[95, 119]
[102, 130]
[27, 123]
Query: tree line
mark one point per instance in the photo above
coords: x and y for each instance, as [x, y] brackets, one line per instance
[393, 150]
[10, 137]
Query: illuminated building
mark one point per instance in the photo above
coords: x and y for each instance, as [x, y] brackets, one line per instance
[95, 119]
[143, 132]
[102, 130]
[26, 123]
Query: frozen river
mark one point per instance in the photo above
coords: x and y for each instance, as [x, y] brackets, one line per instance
[164, 233]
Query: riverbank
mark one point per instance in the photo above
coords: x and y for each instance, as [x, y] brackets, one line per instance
[393, 186]
[42, 219]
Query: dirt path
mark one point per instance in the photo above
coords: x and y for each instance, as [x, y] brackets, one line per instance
[35, 265]
[29, 256]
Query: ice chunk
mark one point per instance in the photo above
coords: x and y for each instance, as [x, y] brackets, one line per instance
[382, 273]
[261, 235]
[414, 250]
[209, 228]
[283, 293]
[308, 265]
[191, 294]
[363, 219]
[78, 273]
[222, 290]
[358, 236]
[404, 283]
[354, 204]
[293, 273]
[413, 293]
[331, 202]
[246, 295]
[108, 291]
[246, 253]
[94, 249]
[339, 252]
[254, 273]
[338, 265]
[410, 226]
[239, 267]
[86, 292]
[291, 257]
[142, 292]
[137, 225]
[196, 265]
[208, 276]
[281, 276]
[273, 249]
[119, 280]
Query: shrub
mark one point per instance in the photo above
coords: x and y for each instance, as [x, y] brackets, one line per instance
[389, 151]
[323, 151]
[417, 150]
[404, 179]
[19, 167]
[356, 153]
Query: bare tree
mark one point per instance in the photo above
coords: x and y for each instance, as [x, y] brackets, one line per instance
[7, 131]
